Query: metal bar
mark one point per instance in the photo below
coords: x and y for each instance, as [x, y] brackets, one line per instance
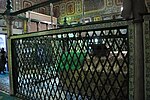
[11, 78]
[139, 48]
[1, 13]
[50, 60]
[33, 7]
[139, 62]
[9, 33]
[72, 29]
[83, 8]
[9, 41]
[51, 13]
[146, 14]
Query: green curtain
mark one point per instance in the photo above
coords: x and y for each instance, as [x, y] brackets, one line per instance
[71, 61]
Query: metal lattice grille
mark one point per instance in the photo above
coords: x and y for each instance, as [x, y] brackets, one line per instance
[83, 65]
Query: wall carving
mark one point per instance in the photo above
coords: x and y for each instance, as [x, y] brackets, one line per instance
[56, 10]
[119, 2]
[96, 9]
[73, 8]
[2, 5]
[109, 3]
[34, 1]
[70, 8]
[42, 10]
[93, 5]
[148, 5]
[62, 9]
[27, 4]
[78, 6]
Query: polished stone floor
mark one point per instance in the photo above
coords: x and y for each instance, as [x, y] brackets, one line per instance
[4, 87]
[5, 96]
[4, 82]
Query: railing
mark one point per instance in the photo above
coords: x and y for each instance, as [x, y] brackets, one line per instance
[89, 62]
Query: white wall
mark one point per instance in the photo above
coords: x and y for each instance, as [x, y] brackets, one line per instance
[3, 41]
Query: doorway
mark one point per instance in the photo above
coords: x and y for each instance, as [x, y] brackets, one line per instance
[4, 83]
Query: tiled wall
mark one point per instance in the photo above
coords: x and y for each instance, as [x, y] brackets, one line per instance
[95, 9]
[72, 9]
[20, 4]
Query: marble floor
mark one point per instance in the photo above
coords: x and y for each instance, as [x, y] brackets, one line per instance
[5, 96]
[4, 82]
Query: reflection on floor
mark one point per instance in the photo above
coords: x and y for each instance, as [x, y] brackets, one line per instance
[4, 82]
[4, 96]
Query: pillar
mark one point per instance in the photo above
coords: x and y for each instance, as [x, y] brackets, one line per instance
[9, 33]
[139, 61]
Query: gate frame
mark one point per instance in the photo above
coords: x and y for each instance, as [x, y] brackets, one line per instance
[134, 91]
[105, 24]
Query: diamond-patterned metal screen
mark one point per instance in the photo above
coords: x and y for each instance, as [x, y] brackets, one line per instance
[80, 65]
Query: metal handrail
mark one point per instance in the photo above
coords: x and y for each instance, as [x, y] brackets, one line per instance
[85, 27]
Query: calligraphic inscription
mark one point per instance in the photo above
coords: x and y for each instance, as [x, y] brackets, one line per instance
[34, 1]
[78, 6]
[42, 10]
[147, 2]
[109, 3]
[62, 9]
[119, 2]
[56, 11]
[93, 5]
[2, 4]
[27, 4]
[70, 8]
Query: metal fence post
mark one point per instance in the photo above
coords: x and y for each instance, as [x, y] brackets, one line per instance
[9, 33]
[139, 62]
[139, 49]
